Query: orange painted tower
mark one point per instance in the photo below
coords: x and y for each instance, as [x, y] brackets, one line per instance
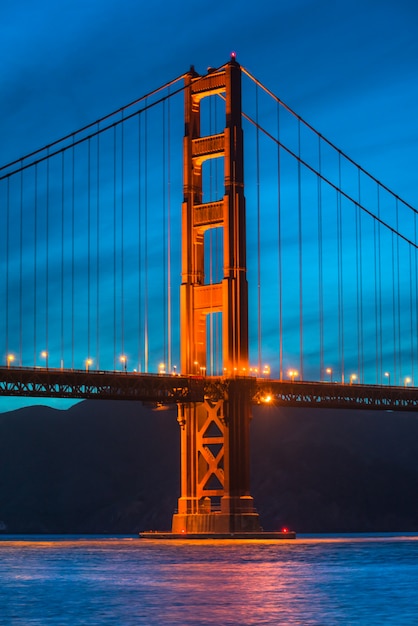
[215, 461]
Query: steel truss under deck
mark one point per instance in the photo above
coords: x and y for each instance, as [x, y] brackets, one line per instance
[165, 389]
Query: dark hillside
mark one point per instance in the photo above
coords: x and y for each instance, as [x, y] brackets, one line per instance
[107, 467]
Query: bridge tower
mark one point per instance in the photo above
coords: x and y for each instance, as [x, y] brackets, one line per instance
[215, 491]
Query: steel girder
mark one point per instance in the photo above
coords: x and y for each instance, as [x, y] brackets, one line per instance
[43, 382]
[163, 389]
[336, 395]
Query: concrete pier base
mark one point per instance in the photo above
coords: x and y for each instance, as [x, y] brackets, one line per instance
[250, 536]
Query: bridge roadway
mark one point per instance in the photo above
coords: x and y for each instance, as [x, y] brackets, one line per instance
[168, 389]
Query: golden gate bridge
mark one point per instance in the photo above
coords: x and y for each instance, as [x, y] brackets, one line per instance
[136, 265]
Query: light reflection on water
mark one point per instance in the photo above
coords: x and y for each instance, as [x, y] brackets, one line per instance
[129, 581]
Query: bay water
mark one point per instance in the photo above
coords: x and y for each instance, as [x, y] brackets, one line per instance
[127, 581]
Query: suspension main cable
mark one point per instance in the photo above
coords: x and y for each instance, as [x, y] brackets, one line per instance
[71, 136]
[350, 160]
[82, 139]
[99, 121]
[330, 183]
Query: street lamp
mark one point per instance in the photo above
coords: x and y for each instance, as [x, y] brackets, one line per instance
[329, 371]
[123, 359]
[10, 359]
[387, 375]
[353, 377]
[161, 368]
[292, 374]
[266, 370]
[407, 381]
[88, 363]
[44, 355]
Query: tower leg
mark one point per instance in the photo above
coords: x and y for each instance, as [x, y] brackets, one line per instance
[215, 466]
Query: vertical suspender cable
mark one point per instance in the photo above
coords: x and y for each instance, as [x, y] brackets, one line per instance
[7, 262]
[378, 291]
[279, 248]
[164, 255]
[146, 338]
[300, 257]
[411, 325]
[320, 266]
[88, 245]
[375, 308]
[98, 249]
[398, 280]
[21, 269]
[415, 322]
[35, 262]
[47, 257]
[62, 254]
[169, 359]
[358, 236]
[395, 360]
[72, 249]
[258, 229]
[122, 241]
[139, 249]
[340, 276]
[114, 246]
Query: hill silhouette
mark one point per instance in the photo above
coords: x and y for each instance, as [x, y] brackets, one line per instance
[113, 467]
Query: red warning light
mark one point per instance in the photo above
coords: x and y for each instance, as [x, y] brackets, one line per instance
[233, 55]
[285, 530]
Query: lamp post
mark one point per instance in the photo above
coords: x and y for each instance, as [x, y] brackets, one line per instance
[10, 359]
[44, 355]
[88, 363]
[407, 381]
[292, 374]
[353, 377]
[266, 371]
[123, 359]
[329, 371]
[387, 375]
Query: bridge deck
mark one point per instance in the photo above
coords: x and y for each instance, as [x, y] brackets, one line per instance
[166, 389]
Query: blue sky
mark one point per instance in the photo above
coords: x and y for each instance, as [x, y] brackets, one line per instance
[348, 68]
